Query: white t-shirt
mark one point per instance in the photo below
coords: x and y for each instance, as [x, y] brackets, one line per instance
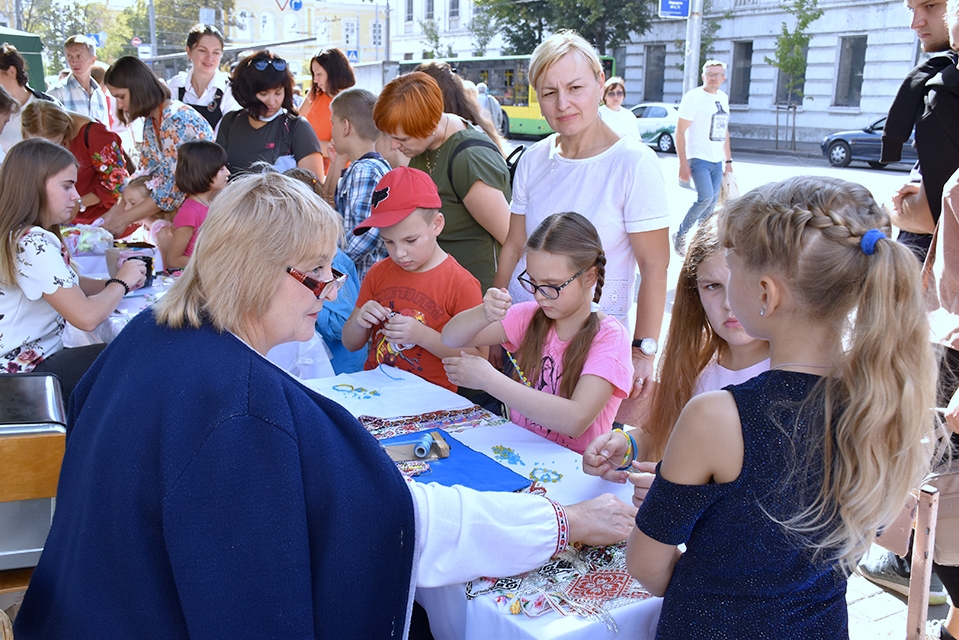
[708, 114]
[621, 191]
[622, 122]
[30, 328]
[12, 133]
[715, 376]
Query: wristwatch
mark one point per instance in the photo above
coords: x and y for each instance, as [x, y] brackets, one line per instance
[648, 346]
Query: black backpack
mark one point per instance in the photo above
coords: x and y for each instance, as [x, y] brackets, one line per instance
[511, 161]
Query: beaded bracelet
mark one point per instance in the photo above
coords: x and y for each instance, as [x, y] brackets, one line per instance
[126, 288]
[631, 451]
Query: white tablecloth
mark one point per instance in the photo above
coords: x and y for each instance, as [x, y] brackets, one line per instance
[451, 615]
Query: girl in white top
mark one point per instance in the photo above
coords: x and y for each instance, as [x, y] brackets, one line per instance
[39, 291]
[622, 121]
[706, 349]
[203, 86]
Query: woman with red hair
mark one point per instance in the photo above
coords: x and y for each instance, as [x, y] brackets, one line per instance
[467, 167]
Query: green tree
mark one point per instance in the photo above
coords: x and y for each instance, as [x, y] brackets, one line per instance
[431, 34]
[523, 23]
[605, 23]
[791, 46]
[483, 27]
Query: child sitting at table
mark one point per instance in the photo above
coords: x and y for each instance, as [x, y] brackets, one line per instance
[706, 349]
[778, 485]
[406, 299]
[200, 173]
[573, 362]
[39, 291]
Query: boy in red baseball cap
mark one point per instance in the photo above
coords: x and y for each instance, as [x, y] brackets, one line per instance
[406, 300]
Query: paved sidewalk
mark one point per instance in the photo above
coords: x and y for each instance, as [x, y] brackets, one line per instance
[875, 613]
[768, 147]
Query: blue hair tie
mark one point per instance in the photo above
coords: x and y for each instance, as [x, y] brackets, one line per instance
[869, 240]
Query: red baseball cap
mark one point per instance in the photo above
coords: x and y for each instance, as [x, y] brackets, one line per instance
[397, 195]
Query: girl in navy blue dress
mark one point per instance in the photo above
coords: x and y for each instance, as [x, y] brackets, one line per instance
[777, 486]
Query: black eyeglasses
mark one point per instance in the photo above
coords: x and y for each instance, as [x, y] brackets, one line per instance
[320, 288]
[277, 63]
[547, 291]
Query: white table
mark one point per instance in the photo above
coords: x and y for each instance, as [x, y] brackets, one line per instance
[452, 616]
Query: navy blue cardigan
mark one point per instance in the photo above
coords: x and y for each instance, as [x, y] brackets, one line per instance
[206, 494]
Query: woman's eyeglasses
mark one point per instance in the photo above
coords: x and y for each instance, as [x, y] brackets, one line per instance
[277, 63]
[616, 93]
[320, 288]
[547, 291]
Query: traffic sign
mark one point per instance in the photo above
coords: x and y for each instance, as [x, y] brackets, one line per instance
[136, 42]
[673, 8]
[352, 56]
[144, 51]
[296, 5]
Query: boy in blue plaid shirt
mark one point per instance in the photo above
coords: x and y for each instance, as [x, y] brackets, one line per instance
[354, 137]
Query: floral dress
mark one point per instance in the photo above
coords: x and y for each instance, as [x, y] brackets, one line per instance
[31, 329]
[179, 123]
[101, 171]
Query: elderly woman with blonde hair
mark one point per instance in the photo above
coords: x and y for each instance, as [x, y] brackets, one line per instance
[563, 173]
[241, 503]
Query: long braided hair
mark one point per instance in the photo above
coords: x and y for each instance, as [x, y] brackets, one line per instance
[878, 427]
[571, 235]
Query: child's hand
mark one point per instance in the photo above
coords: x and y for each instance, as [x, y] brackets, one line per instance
[468, 371]
[371, 314]
[604, 454]
[496, 303]
[164, 236]
[641, 477]
[400, 329]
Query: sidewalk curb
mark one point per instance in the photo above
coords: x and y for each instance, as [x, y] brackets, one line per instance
[767, 147]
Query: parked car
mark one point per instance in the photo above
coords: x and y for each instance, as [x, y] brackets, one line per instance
[865, 144]
[657, 124]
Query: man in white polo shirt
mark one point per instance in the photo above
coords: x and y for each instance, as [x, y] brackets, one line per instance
[702, 144]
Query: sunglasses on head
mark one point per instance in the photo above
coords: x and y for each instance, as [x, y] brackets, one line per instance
[320, 288]
[277, 63]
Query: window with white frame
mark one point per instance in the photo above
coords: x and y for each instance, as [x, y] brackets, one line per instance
[454, 8]
[655, 79]
[741, 72]
[852, 63]
[409, 10]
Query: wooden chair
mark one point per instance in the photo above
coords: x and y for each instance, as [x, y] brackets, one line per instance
[30, 450]
[920, 516]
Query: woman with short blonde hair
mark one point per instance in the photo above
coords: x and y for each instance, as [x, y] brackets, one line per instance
[614, 181]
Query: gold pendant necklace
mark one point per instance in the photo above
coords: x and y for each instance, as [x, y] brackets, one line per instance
[429, 163]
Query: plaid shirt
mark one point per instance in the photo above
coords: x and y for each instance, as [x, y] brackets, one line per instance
[75, 98]
[354, 200]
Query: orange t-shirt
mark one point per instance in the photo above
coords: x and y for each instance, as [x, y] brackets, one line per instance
[433, 297]
[319, 118]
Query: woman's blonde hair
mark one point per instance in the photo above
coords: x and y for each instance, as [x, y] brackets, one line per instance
[257, 226]
[23, 195]
[573, 236]
[45, 119]
[691, 344]
[876, 408]
[555, 47]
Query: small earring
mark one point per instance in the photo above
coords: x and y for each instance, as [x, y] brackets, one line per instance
[762, 312]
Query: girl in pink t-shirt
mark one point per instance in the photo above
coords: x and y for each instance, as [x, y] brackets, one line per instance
[574, 365]
[200, 173]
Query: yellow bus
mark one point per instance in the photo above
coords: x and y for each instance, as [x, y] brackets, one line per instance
[507, 79]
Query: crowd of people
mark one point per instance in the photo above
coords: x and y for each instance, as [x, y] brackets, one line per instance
[784, 423]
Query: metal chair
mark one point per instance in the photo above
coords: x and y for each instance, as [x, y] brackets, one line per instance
[32, 441]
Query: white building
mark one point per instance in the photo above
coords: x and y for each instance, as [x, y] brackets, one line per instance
[858, 55]
[452, 18]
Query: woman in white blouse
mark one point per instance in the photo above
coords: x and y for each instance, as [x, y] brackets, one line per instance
[620, 120]
[203, 86]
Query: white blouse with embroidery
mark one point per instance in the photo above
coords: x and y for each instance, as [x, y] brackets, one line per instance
[30, 328]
